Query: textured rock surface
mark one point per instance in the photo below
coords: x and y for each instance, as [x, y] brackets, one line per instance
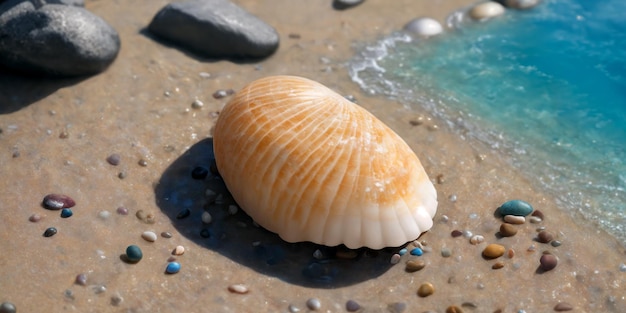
[215, 28]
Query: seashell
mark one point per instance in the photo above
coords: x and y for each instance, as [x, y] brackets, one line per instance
[309, 165]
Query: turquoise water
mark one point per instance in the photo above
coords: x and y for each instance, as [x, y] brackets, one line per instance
[545, 87]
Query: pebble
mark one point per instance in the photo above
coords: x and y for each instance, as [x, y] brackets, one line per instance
[396, 307]
[424, 27]
[535, 219]
[486, 10]
[538, 214]
[548, 262]
[116, 300]
[493, 251]
[313, 304]
[81, 279]
[454, 309]
[133, 254]
[352, 306]
[166, 234]
[498, 265]
[98, 289]
[238, 288]
[511, 253]
[477, 239]
[317, 254]
[57, 201]
[197, 104]
[417, 252]
[114, 159]
[414, 265]
[520, 4]
[563, 306]
[232, 209]
[7, 307]
[50, 231]
[456, 233]
[555, 243]
[35, 218]
[395, 258]
[206, 217]
[507, 230]
[425, 290]
[403, 251]
[199, 172]
[172, 268]
[104, 214]
[65, 213]
[142, 162]
[179, 250]
[445, 252]
[293, 309]
[145, 217]
[122, 211]
[222, 93]
[149, 236]
[515, 207]
[545, 236]
[622, 268]
[183, 214]
[514, 219]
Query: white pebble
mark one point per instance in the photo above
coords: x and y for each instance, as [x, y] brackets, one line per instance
[486, 10]
[467, 234]
[514, 219]
[149, 236]
[535, 219]
[395, 259]
[313, 304]
[424, 27]
[206, 217]
[232, 209]
[104, 215]
[237, 288]
[476, 239]
[179, 250]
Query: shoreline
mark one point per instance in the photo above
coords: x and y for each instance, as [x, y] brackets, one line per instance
[141, 108]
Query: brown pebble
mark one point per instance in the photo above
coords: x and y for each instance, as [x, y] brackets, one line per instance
[497, 265]
[548, 262]
[179, 250]
[440, 179]
[425, 290]
[545, 236]
[35, 218]
[563, 306]
[493, 251]
[456, 233]
[414, 265]
[507, 230]
[538, 214]
[511, 253]
[240, 289]
[166, 234]
[57, 202]
[142, 162]
[454, 309]
[145, 217]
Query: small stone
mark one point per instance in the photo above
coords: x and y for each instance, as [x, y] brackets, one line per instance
[486, 10]
[424, 27]
[104, 214]
[538, 214]
[179, 250]
[514, 219]
[197, 104]
[172, 268]
[493, 251]
[498, 265]
[622, 268]
[232, 209]
[515, 207]
[477, 239]
[222, 93]
[293, 309]
[563, 306]
[50, 231]
[7, 307]
[511, 253]
[456, 233]
[519, 4]
[352, 306]
[206, 217]
[145, 217]
[317, 254]
[116, 300]
[403, 251]
[199, 172]
[548, 262]
[535, 219]
[396, 307]
[98, 289]
[122, 211]
[454, 309]
[133, 254]
[238, 288]
[395, 258]
[142, 163]
[507, 230]
[121, 175]
[81, 279]
[445, 252]
[166, 234]
[425, 290]
[416, 252]
[57, 202]
[183, 214]
[545, 236]
[149, 236]
[313, 304]
[65, 213]
[414, 265]
[35, 218]
[555, 243]
[114, 159]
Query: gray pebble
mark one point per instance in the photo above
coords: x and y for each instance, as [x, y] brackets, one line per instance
[81, 279]
[313, 304]
[7, 307]
[445, 252]
[352, 306]
[396, 307]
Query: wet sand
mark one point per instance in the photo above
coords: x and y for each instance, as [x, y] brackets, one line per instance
[57, 134]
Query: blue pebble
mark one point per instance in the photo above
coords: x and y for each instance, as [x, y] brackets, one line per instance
[402, 251]
[515, 207]
[133, 254]
[65, 213]
[417, 251]
[172, 268]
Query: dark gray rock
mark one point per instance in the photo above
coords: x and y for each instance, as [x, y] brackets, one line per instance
[345, 4]
[215, 29]
[77, 3]
[60, 40]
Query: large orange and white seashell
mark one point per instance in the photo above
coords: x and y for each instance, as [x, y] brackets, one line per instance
[309, 165]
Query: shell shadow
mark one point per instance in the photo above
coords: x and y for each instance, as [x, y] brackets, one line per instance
[235, 236]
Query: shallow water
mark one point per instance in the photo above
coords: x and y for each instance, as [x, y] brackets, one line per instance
[544, 87]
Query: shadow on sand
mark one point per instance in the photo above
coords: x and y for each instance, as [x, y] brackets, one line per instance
[184, 199]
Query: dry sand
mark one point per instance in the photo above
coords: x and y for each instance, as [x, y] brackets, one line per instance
[56, 135]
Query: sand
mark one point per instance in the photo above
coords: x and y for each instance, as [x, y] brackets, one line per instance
[57, 134]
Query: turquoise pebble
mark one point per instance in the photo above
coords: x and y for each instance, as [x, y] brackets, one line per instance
[515, 207]
[402, 251]
[133, 253]
[172, 268]
[417, 251]
[65, 213]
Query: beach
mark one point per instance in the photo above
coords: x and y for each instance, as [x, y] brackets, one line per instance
[57, 134]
